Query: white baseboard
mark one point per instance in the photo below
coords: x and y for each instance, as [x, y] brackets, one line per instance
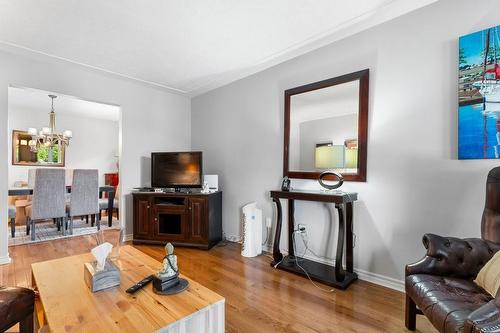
[128, 237]
[234, 239]
[4, 260]
[381, 280]
[375, 278]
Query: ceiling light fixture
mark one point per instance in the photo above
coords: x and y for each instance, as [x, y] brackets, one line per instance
[47, 136]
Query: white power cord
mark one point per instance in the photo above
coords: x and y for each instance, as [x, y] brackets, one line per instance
[307, 248]
[305, 241]
[268, 232]
[302, 268]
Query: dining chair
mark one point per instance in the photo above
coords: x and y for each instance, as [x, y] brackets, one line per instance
[47, 201]
[84, 199]
[103, 204]
[31, 178]
[12, 219]
[17, 205]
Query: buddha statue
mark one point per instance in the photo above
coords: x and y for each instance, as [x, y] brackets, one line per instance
[167, 280]
[169, 268]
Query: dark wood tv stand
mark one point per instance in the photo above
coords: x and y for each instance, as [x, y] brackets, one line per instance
[186, 219]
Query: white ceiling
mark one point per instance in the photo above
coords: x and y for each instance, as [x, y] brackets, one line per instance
[39, 101]
[187, 46]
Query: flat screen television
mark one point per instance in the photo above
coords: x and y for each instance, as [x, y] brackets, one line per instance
[176, 169]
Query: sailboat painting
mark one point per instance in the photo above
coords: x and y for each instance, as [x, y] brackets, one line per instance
[479, 95]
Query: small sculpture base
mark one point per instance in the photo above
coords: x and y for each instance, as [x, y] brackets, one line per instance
[169, 286]
[99, 280]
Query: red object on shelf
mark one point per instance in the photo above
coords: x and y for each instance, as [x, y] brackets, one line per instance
[111, 179]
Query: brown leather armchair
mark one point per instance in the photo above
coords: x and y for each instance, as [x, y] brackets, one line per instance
[441, 285]
[17, 305]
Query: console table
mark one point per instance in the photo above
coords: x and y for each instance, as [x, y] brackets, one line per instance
[334, 276]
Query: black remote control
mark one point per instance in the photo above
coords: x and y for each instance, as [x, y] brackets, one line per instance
[139, 285]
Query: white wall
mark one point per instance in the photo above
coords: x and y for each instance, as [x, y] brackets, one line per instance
[151, 119]
[94, 144]
[415, 183]
[334, 129]
[332, 106]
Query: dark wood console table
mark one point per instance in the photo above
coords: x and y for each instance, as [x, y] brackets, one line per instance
[334, 276]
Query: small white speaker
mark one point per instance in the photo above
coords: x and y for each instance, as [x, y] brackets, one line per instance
[212, 181]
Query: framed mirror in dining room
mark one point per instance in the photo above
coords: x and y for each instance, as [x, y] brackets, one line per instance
[22, 153]
[326, 128]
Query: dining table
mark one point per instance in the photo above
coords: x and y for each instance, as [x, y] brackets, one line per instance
[109, 190]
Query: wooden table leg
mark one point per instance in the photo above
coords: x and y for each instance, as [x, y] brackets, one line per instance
[111, 199]
[349, 260]
[276, 247]
[339, 271]
[92, 218]
[32, 229]
[21, 211]
[291, 226]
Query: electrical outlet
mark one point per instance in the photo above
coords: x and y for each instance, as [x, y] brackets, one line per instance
[268, 222]
[301, 227]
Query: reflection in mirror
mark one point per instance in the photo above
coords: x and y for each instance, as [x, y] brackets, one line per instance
[22, 153]
[324, 129]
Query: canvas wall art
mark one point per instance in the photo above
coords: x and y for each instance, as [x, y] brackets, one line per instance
[479, 95]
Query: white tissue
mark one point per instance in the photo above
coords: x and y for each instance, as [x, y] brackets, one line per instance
[100, 253]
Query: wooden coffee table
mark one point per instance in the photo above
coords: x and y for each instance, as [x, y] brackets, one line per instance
[67, 305]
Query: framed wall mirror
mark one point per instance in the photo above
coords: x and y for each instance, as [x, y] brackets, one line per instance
[45, 156]
[326, 128]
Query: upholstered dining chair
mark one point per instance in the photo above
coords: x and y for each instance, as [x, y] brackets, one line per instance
[31, 184]
[47, 201]
[17, 205]
[103, 204]
[84, 199]
[441, 286]
[12, 219]
[31, 178]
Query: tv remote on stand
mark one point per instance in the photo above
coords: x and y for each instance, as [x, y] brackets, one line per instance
[139, 285]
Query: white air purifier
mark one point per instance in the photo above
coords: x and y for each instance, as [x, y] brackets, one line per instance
[252, 230]
[212, 181]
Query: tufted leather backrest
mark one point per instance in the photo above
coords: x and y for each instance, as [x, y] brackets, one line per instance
[490, 223]
[446, 254]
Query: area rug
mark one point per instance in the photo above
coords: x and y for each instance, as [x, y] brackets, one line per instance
[46, 231]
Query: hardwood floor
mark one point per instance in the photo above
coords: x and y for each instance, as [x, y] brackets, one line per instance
[258, 297]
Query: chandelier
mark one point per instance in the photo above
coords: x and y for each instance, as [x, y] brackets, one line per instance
[47, 136]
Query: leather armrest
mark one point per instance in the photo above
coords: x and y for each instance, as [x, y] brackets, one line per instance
[453, 257]
[15, 304]
[485, 319]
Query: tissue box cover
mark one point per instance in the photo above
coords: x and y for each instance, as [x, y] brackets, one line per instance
[99, 280]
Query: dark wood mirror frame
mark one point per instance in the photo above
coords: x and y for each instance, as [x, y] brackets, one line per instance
[363, 76]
